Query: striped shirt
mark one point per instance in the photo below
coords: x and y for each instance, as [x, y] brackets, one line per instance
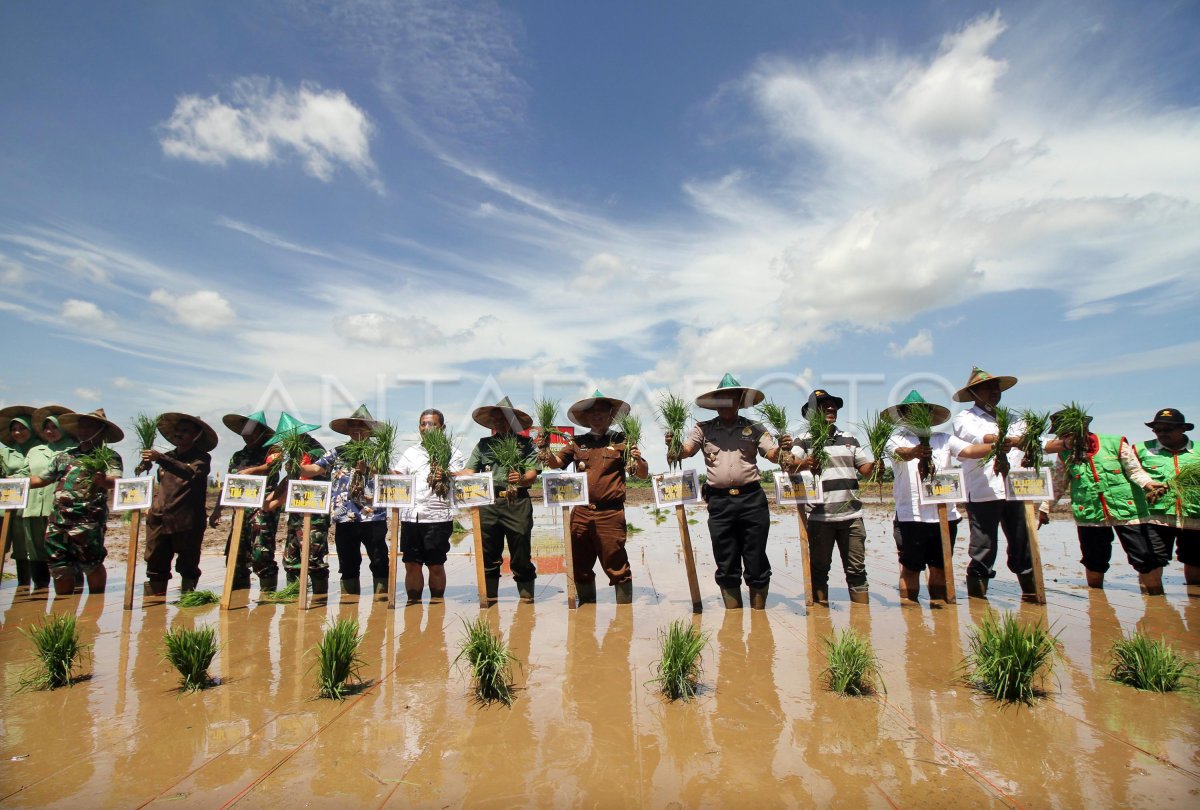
[839, 477]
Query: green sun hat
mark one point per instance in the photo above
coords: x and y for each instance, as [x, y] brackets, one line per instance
[245, 425]
[289, 426]
[939, 413]
[730, 392]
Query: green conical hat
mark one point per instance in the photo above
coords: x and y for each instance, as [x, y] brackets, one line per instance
[515, 417]
[289, 426]
[578, 411]
[939, 413]
[730, 392]
[245, 425]
[360, 418]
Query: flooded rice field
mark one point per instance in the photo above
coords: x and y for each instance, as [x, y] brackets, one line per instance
[587, 728]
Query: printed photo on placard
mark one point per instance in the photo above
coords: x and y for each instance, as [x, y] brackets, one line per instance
[472, 490]
[245, 491]
[676, 488]
[311, 497]
[1025, 484]
[797, 488]
[394, 491]
[131, 494]
[944, 486]
[14, 493]
[564, 489]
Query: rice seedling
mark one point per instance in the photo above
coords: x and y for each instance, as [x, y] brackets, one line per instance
[377, 451]
[631, 529]
[337, 659]
[289, 453]
[998, 455]
[145, 428]
[489, 660]
[193, 599]
[289, 594]
[56, 651]
[545, 415]
[878, 428]
[438, 447]
[1007, 659]
[1153, 666]
[509, 455]
[1185, 486]
[776, 418]
[1036, 425]
[631, 427]
[853, 668]
[1073, 420]
[674, 413]
[677, 673]
[191, 652]
[820, 433]
[101, 459]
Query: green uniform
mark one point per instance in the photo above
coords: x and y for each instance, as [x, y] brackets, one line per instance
[318, 539]
[41, 501]
[75, 536]
[510, 519]
[13, 464]
[259, 527]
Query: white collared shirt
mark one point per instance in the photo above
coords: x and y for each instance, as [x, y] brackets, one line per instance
[981, 481]
[427, 508]
[945, 449]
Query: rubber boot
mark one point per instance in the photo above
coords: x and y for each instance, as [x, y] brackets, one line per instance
[351, 586]
[379, 586]
[860, 597]
[585, 592]
[758, 598]
[242, 583]
[188, 585]
[39, 574]
[23, 575]
[1028, 585]
[266, 584]
[1095, 579]
[821, 595]
[976, 587]
[732, 597]
[320, 583]
[491, 585]
[624, 592]
[155, 587]
[525, 591]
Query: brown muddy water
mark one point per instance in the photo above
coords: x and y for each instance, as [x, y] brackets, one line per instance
[587, 728]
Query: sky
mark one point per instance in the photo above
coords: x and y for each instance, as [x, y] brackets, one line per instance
[213, 207]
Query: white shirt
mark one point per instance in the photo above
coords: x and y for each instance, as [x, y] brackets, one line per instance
[427, 508]
[981, 481]
[909, 508]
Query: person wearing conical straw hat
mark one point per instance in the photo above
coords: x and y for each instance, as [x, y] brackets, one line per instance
[256, 548]
[318, 542]
[357, 523]
[52, 441]
[175, 520]
[16, 440]
[509, 518]
[598, 530]
[738, 516]
[988, 507]
[915, 526]
[1105, 475]
[1173, 522]
[83, 475]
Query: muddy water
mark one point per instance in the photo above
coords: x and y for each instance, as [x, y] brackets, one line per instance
[587, 727]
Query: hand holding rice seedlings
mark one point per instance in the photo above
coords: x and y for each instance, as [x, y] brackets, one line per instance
[337, 659]
[853, 666]
[878, 428]
[1073, 420]
[193, 599]
[101, 459]
[1036, 425]
[56, 649]
[777, 420]
[1185, 486]
[998, 455]
[631, 426]
[376, 452]
[291, 452]
[191, 652]
[1153, 666]
[820, 434]
[677, 672]
[289, 594]
[918, 419]
[1007, 659]
[674, 413]
[145, 427]
[490, 661]
[510, 456]
[545, 414]
[439, 447]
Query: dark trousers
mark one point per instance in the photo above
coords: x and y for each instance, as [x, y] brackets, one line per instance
[599, 534]
[371, 535]
[162, 546]
[511, 521]
[850, 537]
[1167, 539]
[738, 525]
[986, 518]
[920, 544]
[1095, 544]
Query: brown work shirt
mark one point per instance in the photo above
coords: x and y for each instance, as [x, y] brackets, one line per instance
[179, 496]
[603, 459]
[731, 452]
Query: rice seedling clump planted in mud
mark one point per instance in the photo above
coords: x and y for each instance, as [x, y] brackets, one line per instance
[677, 672]
[289, 594]
[1007, 659]
[191, 652]
[337, 659]
[631, 427]
[1154, 666]
[853, 667]
[489, 660]
[198, 599]
[674, 413]
[56, 649]
[439, 447]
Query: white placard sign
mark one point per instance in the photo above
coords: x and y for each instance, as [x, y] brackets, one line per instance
[944, 486]
[14, 493]
[564, 489]
[130, 494]
[244, 491]
[1026, 484]
[792, 489]
[309, 497]
[395, 491]
[676, 488]
[469, 491]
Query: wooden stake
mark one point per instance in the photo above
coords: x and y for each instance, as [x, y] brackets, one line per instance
[481, 580]
[569, 557]
[305, 543]
[135, 527]
[235, 548]
[950, 595]
[689, 559]
[805, 565]
[4, 538]
[392, 572]
[1035, 552]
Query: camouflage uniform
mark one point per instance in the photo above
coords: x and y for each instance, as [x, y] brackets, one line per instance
[75, 535]
[319, 534]
[259, 527]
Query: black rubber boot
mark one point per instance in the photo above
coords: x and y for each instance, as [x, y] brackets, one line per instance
[977, 587]
[624, 592]
[23, 575]
[821, 595]
[39, 573]
[320, 583]
[266, 584]
[351, 587]
[380, 586]
[1028, 586]
[585, 592]
[491, 586]
[758, 598]
[732, 598]
[188, 585]
[525, 591]
[860, 597]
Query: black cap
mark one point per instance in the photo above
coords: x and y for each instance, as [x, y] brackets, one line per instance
[1172, 417]
[817, 397]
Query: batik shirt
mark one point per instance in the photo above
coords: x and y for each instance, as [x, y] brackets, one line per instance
[77, 501]
[346, 509]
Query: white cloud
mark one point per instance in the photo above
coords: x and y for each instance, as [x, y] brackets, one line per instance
[85, 314]
[90, 394]
[12, 272]
[203, 310]
[265, 121]
[604, 271]
[124, 383]
[919, 345]
[405, 332]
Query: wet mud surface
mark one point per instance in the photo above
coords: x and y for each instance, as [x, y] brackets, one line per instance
[587, 728]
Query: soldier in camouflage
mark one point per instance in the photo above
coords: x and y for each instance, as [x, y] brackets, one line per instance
[318, 569]
[256, 550]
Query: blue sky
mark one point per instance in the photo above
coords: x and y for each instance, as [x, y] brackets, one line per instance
[211, 206]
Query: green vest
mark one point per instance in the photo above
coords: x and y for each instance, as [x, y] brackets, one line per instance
[1100, 492]
[1163, 466]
